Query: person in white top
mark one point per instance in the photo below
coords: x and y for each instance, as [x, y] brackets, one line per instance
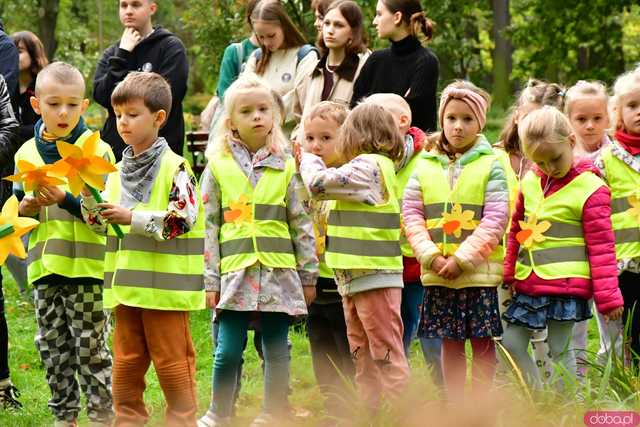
[283, 58]
[343, 48]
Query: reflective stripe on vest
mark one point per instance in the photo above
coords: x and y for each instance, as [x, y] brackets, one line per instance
[363, 236]
[403, 176]
[143, 272]
[562, 252]
[63, 244]
[255, 226]
[439, 198]
[625, 218]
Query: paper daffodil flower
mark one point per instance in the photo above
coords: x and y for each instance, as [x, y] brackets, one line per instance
[239, 211]
[81, 165]
[33, 177]
[12, 227]
[457, 220]
[634, 210]
[531, 231]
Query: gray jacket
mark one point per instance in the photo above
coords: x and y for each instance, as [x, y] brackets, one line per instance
[9, 142]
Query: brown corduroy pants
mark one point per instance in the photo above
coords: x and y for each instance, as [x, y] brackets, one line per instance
[164, 337]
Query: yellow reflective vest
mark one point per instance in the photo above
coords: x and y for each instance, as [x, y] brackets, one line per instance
[625, 204]
[143, 272]
[403, 176]
[62, 244]
[255, 226]
[454, 213]
[558, 251]
[360, 236]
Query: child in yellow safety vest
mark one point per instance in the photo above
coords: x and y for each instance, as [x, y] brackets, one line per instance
[586, 106]
[620, 166]
[455, 209]
[554, 261]
[325, 323]
[261, 261]
[66, 259]
[363, 248]
[534, 95]
[153, 276]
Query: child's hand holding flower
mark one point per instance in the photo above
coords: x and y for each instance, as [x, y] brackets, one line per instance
[451, 269]
[115, 214]
[438, 264]
[29, 206]
[50, 195]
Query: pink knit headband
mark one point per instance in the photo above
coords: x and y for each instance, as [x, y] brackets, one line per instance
[476, 102]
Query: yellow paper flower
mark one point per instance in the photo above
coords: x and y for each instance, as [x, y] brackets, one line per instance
[457, 220]
[81, 165]
[13, 227]
[531, 231]
[33, 177]
[239, 211]
[635, 207]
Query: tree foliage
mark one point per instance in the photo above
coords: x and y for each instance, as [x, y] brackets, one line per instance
[560, 41]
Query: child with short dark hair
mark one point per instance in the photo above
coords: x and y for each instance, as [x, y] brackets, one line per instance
[66, 258]
[153, 276]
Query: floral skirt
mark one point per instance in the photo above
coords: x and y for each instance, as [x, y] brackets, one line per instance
[459, 314]
[534, 312]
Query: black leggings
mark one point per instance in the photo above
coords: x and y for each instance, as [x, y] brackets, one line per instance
[630, 288]
[4, 338]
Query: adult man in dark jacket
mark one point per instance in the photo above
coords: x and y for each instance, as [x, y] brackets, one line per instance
[143, 48]
[9, 65]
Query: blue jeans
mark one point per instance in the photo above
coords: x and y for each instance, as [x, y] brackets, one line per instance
[232, 338]
[412, 296]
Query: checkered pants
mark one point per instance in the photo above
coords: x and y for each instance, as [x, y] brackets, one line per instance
[71, 339]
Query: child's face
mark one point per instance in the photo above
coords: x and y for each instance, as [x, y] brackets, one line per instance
[269, 34]
[61, 105]
[589, 120]
[136, 13]
[25, 58]
[321, 138]
[554, 159]
[137, 125]
[460, 125]
[630, 112]
[252, 116]
[336, 31]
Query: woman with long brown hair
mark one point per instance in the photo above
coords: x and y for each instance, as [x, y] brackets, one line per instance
[32, 60]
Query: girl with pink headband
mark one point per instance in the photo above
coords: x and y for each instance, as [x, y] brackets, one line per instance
[455, 209]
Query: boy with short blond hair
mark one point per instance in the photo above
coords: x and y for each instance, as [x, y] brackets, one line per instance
[65, 261]
[154, 274]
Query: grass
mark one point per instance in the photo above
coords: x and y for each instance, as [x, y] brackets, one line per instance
[607, 387]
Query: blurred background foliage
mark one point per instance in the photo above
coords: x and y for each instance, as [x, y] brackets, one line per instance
[498, 44]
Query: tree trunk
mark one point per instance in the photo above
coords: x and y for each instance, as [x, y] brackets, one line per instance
[47, 20]
[502, 61]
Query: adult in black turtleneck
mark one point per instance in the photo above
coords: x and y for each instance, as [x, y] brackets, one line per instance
[406, 68]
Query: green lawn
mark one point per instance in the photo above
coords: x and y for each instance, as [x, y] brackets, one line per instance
[509, 403]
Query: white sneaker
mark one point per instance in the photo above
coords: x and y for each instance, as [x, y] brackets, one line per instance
[211, 419]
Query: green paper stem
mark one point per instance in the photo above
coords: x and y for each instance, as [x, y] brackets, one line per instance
[96, 195]
[5, 230]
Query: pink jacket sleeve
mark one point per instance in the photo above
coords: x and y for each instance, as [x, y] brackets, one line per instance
[512, 244]
[600, 241]
[415, 226]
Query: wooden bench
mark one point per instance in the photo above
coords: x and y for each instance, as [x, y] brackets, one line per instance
[197, 144]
